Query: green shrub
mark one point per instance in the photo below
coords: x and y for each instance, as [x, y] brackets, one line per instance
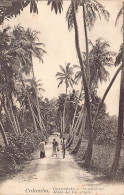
[18, 151]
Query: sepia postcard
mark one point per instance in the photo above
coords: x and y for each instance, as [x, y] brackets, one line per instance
[61, 97]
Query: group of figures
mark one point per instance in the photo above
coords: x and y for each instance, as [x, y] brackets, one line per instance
[55, 146]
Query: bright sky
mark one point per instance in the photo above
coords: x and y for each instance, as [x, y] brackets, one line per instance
[60, 45]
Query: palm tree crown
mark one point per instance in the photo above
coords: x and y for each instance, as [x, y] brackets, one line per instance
[65, 76]
[99, 58]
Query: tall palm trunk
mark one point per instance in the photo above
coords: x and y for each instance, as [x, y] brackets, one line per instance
[87, 48]
[66, 87]
[37, 102]
[76, 148]
[43, 126]
[71, 126]
[75, 128]
[18, 125]
[12, 116]
[120, 117]
[3, 134]
[86, 90]
[17, 121]
[33, 117]
[73, 120]
[64, 124]
[73, 131]
[9, 118]
[31, 109]
[61, 123]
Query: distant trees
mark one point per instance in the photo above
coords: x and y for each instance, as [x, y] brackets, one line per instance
[66, 105]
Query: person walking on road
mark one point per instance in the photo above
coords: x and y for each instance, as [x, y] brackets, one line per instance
[55, 147]
[41, 147]
[63, 143]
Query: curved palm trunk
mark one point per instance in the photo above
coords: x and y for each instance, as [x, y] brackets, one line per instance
[38, 107]
[86, 90]
[120, 117]
[105, 94]
[120, 129]
[4, 134]
[102, 101]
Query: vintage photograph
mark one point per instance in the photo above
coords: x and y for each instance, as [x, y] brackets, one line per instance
[61, 97]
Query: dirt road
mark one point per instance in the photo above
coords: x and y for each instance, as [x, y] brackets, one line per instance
[52, 175]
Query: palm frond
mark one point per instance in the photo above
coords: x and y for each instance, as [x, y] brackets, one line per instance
[69, 17]
[56, 5]
[118, 16]
[59, 74]
[102, 10]
[60, 83]
[62, 69]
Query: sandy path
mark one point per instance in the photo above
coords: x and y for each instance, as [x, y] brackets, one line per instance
[52, 175]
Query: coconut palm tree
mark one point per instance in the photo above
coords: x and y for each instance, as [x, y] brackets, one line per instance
[121, 110]
[65, 76]
[91, 11]
[29, 42]
[89, 17]
[17, 48]
[99, 58]
[35, 87]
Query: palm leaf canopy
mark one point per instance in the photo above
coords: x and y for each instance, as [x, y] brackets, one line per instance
[65, 75]
[7, 12]
[93, 10]
[56, 5]
[100, 57]
[17, 48]
[23, 46]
